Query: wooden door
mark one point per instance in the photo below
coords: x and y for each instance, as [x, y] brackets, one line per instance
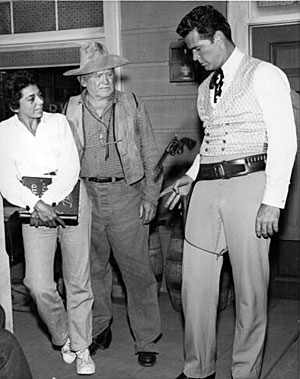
[281, 46]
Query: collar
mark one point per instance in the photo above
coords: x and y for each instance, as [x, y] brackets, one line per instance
[20, 124]
[231, 65]
[89, 107]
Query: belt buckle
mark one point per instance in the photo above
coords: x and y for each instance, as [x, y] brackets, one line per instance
[219, 170]
[246, 169]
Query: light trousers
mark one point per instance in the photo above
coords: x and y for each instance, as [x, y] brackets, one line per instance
[75, 319]
[222, 217]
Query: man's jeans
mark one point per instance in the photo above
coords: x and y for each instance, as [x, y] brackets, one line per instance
[40, 245]
[116, 226]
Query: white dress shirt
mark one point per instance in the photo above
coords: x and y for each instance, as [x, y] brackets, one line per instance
[51, 149]
[272, 89]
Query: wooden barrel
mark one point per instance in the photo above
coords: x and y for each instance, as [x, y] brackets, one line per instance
[118, 292]
[173, 269]
[157, 261]
[173, 274]
[226, 284]
[156, 256]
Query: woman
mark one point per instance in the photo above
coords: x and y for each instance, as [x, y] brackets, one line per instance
[34, 143]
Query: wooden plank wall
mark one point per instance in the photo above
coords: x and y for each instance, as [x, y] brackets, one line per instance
[147, 29]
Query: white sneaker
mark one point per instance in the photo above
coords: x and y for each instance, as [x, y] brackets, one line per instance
[84, 363]
[68, 355]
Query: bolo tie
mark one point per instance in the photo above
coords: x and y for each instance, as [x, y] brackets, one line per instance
[216, 82]
[108, 127]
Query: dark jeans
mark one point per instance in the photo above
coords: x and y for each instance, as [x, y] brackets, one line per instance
[13, 363]
[116, 226]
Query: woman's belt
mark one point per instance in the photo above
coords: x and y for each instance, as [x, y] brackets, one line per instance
[232, 168]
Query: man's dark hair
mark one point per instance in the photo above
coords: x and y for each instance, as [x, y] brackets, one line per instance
[206, 20]
[14, 83]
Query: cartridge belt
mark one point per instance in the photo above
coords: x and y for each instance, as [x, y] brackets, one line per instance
[232, 168]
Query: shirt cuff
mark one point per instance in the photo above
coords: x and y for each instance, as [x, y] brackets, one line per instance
[48, 199]
[192, 172]
[151, 195]
[275, 197]
[30, 203]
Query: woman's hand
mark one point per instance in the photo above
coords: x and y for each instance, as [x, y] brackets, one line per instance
[47, 214]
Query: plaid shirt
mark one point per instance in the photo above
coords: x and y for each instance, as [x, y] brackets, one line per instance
[101, 158]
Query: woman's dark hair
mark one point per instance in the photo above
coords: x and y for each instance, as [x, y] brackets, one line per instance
[206, 20]
[14, 83]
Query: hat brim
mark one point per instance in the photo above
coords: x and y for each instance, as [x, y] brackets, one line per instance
[105, 62]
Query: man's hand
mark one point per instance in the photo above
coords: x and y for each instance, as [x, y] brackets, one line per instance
[48, 215]
[147, 211]
[267, 219]
[180, 188]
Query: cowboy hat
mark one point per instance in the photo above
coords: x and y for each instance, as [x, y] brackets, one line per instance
[94, 57]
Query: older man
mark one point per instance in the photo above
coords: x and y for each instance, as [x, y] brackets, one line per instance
[118, 155]
[241, 176]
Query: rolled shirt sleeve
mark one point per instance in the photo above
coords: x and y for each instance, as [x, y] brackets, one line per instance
[69, 166]
[11, 187]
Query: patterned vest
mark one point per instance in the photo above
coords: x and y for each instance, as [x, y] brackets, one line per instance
[236, 124]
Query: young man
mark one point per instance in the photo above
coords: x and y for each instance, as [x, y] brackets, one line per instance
[37, 144]
[118, 156]
[241, 177]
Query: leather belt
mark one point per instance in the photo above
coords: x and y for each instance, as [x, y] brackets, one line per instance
[112, 179]
[232, 168]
